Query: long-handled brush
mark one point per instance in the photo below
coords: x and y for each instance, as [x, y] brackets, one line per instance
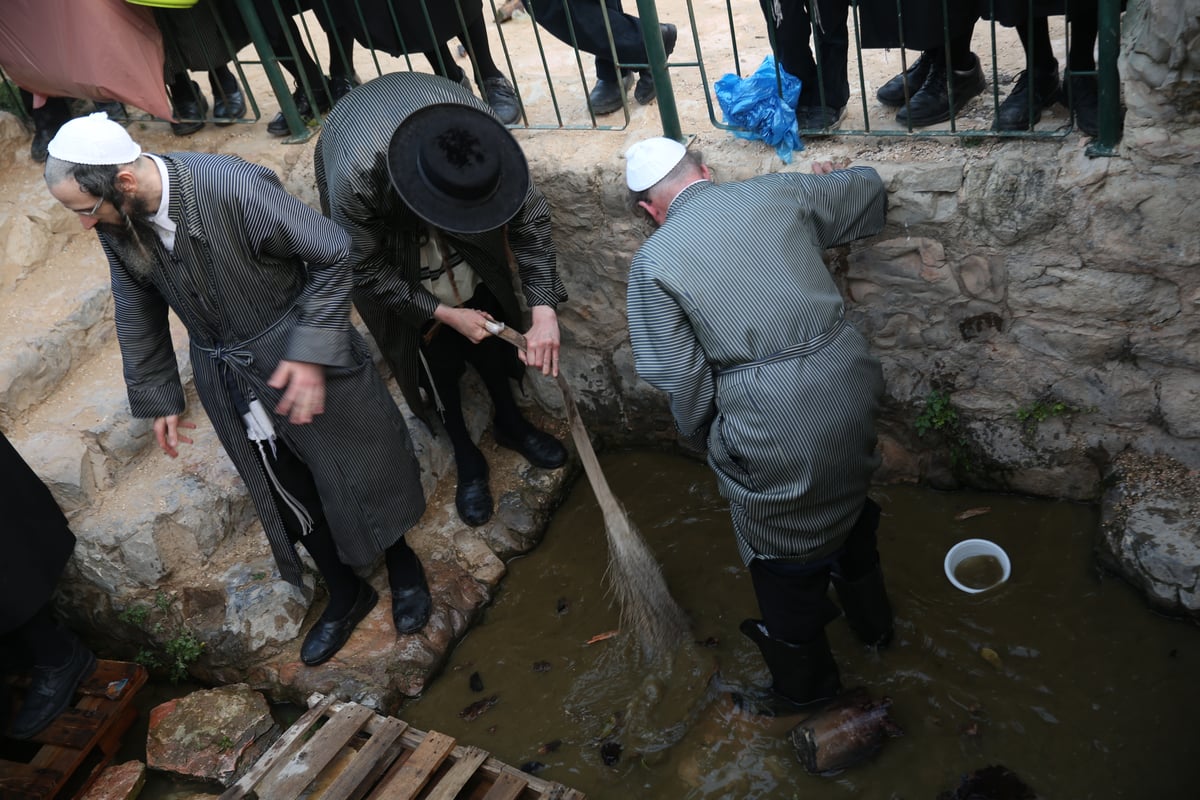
[647, 608]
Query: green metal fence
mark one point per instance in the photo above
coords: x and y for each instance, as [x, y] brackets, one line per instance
[551, 78]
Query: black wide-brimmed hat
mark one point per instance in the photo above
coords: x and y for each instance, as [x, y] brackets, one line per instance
[458, 168]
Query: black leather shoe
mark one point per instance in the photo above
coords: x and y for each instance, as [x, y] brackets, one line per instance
[892, 92]
[328, 635]
[339, 85]
[539, 448]
[279, 127]
[818, 118]
[605, 97]
[501, 96]
[411, 607]
[473, 499]
[645, 91]
[931, 104]
[52, 691]
[228, 106]
[1015, 113]
[190, 110]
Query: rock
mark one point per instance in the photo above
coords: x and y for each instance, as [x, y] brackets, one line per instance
[118, 782]
[1149, 530]
[212, 734]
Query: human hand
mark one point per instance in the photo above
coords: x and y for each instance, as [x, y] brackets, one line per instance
[542, 341]
[826, 167]
[304, 395]
[470, 322]
[166, 431]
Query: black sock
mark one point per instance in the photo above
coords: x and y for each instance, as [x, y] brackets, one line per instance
[1035, 38]
[961, 57]
[404, 568]
[341, 581]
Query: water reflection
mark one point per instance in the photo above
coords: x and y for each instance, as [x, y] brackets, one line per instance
[1062, 674]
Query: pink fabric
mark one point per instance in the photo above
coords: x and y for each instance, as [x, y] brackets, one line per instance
[95, 50]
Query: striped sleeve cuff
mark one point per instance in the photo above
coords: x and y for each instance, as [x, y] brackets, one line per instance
[157, 401]
[325, 346]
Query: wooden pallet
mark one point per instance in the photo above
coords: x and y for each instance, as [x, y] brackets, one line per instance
[74, 749]
[357, 754]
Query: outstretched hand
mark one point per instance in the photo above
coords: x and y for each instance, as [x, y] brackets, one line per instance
[304, 395]
[166, 431]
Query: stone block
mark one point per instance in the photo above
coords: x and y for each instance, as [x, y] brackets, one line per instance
[1179, 402]
[210, 735]
[118, 782]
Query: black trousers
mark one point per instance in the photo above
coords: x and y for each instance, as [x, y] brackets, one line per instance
[793, 597]
[296, 480]
[827, 28]
[591, 36]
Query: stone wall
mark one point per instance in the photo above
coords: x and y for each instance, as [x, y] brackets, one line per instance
[1035, 311]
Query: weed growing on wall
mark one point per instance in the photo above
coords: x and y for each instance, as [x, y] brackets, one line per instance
[940, 417]
[173, 647]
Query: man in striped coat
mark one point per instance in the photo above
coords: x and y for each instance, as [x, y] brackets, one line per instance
[733, 313]
[431, 233]
[262, 284]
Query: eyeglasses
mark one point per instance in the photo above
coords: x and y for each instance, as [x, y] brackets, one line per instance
[93, 210]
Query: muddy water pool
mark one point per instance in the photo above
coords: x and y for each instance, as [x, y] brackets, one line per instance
[1063, 674]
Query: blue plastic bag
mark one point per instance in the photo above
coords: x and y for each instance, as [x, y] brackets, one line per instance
[754, 104]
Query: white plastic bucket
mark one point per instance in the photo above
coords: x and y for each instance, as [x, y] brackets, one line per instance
[976, 547]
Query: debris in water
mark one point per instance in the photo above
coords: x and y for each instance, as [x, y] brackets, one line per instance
[600, 637]
[973, 512]
[711, 641]
[610, 753]
[532, 767]
[473, 711]
[991, 656]
[563, 605]
[970, 730]
[475, 682]
[995, 782]
[541, 666]
[493, 728]
[550, 747]
[846, 730]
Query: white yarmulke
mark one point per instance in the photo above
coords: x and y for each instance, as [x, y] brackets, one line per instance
[649, 161]
[94, 139]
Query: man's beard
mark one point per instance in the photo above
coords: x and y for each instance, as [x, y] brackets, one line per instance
[134, 238]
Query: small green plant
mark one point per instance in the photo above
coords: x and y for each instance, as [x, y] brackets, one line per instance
[174, 646]
[135, 615]
[182, 649]
[939, 416]
[1033, 415]
[258, 576]
[225, 743]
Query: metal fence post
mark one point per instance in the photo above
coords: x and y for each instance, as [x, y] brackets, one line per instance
[266, 56]
[656, 57]
[1108, 81]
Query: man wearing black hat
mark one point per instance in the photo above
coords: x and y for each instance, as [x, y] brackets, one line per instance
[436, 195]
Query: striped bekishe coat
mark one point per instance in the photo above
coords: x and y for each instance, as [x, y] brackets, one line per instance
[356, 192]
[257, 276]
[733, 313]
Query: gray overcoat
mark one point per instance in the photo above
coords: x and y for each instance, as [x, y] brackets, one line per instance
[257, 276]
[733, 313]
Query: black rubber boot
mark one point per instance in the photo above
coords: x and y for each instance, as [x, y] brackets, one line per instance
[802, 673]
[866, 606]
